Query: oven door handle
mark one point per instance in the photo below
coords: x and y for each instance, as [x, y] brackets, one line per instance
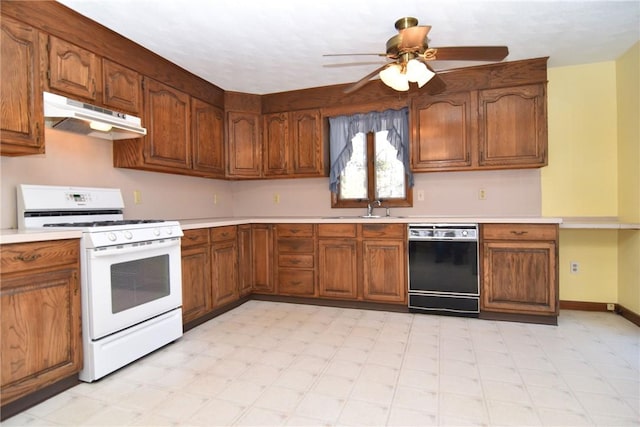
[129, 248]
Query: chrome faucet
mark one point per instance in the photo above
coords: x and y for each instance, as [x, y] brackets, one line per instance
[372, 205]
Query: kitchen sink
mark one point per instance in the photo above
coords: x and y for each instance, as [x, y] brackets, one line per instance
[362, 216]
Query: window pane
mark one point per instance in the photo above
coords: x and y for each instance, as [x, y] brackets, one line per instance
[390, 179]
[353, 180]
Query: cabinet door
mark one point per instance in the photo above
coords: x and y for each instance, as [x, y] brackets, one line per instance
[337, 268]
[167, 113]
[196, 282]
[207, 124]
[262, 256]
[245, 262]
[73, 70]
[441, 132]
[519, 277]
[41, 335]
[122, 87]
[224, 268]
[306, 143]
[384, 275]
[21, 114]
[512, 127]
[275, 144]
[243, 149]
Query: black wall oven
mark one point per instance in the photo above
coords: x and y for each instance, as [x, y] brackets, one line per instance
[443, 269]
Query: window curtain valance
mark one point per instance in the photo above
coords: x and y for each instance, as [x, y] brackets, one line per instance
[342, 129]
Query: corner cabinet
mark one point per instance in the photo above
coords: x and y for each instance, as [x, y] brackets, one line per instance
[41, 316]
[293, 144]
[519, 270]
[244, 157]
[207, 132]
[21, 114]
[503, 128]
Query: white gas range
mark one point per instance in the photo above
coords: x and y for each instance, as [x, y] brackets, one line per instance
[131, 280]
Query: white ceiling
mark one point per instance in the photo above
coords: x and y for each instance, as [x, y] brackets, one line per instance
[259, 47]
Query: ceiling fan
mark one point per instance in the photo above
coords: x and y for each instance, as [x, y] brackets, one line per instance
[410, 55]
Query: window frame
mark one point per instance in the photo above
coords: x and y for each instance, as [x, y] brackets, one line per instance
[407, 201]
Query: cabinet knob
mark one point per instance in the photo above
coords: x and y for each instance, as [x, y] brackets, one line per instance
[518, 233]
[28, 257]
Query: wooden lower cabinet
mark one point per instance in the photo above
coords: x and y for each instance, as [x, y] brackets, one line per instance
[245, 260]
[196, 274]
[41, 316]
[384, 273]
[262, 253]
[295, 259]
[519, 269]
[338, 268]
[224, 265]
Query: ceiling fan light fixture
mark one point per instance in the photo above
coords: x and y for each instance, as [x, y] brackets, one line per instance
[394, 77]
[418, 72]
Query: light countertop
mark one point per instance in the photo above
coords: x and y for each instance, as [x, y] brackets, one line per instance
[22, 236]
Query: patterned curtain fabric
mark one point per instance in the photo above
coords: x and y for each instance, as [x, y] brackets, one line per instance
[342, 129]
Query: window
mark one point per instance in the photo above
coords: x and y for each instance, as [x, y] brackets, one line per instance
[373, 163]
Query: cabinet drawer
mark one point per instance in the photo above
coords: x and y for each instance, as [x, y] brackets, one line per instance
[295, 245]
[195, 237]
[337, 230]
[392, 231]
[31, 256]
[295, 260]
[520, 231]
[295, 230]
[219, 234]
[297, 282]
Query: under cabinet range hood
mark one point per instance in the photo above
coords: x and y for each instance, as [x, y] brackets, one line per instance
[69, 115]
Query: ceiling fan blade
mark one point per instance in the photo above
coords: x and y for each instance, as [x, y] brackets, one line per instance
[357, 85]
[471, 53]
[436, 84]
[413, 36]
[355, 54]
[350, 64]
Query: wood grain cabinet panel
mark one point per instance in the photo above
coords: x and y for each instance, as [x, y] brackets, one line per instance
[245, 260]
[73, 70]
[40, 311]
[338, 268]
[122, 87]
[442, 132]
[295, 259]
[224, 265]
[262, 258]
[244, 158]
[519, 269]
[21, 113]
[207, 131]
[384, 272]
[275, 144]
[196, 274]
[512, 126]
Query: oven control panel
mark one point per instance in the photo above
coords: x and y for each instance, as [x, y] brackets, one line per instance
[465, 232]
[113, 236]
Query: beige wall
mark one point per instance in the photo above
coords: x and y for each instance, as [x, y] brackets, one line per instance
[628, 78]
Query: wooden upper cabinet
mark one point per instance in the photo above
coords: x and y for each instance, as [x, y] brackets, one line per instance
[243, 145]
[293, 144]
[207, 130]
[307, 143]
[21, 114]
[275, 143]
[167, 114]
[122, 87]
[73, 70]
[442, 132]
[512, 126]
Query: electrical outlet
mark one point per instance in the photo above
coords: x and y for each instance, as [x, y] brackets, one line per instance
[611, 307]
[420, 195]
[137, 197]
[276, 198]
[482, 194]
[574, 267]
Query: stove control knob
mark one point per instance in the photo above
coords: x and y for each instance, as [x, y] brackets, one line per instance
[112, 236]
[169, 231]
[465, 233]
[128, 235]
[156, 231]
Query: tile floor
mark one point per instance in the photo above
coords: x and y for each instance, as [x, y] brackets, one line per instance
[268, 363]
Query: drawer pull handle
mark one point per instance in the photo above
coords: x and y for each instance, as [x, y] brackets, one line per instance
[518, 233]
[28, 258]
[296, 283]
[295, 261]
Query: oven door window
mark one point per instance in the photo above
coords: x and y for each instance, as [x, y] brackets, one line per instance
[138, 282]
